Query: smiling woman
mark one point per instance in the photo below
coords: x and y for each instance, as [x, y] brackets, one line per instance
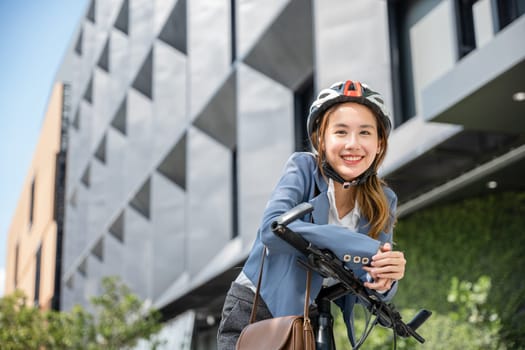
[353, 214]
[35, 35]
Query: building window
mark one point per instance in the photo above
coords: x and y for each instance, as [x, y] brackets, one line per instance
[233, 19]
[401, 62]
[465, 27]
[415, 29]
[508, 11]
[303, 98]
[32, 203]
[17, 253]
[38, 260]
[235, 193]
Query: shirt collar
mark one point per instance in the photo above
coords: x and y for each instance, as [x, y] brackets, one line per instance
[350, 220]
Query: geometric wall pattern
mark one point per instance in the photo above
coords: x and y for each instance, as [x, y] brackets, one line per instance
[188, 140]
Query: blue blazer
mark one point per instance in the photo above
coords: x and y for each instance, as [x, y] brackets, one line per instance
[284, 280]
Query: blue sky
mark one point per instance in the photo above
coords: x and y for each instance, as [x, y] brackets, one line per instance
[34, 36]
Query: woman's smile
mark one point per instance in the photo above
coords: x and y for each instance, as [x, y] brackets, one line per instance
[352, 160]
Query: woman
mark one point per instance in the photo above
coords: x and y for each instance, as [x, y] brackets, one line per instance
[353, 216]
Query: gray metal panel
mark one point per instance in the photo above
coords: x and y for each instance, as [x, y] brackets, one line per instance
[76, 224]
[483, 22]
[218, 118]
[115, 151]
[114, 256]
[99, 208]
[265, 141]
[253, 17]
[209, 216]
[141, 32]
[173, 30]
[105, 12]
[352, 42]
[208, 49]
[169, 97]
[84, 139]
[169, 233]
[72, 296]
[137, 254]
[138, 156]
[162, 11]
[284, 52]
[89, 51]
[119, 61]
[429, 60]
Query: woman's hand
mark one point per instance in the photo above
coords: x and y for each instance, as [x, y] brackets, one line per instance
[387, 267]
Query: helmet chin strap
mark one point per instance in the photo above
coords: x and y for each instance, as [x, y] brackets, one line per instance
[331, 173]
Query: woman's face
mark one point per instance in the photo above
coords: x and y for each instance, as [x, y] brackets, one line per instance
[351, 140]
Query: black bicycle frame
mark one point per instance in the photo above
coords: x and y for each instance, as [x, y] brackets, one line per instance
[327, 265]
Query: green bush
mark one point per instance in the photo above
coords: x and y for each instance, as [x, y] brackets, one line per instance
[447, 247]
[467, 239]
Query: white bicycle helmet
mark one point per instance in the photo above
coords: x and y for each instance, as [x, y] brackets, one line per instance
[347, 91]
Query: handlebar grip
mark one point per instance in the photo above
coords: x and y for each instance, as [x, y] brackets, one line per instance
[419, 319]
[279, 227]
[292, 238]
[293, 214]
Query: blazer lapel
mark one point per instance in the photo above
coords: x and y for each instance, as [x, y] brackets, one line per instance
[320, 202]
[321, 207]
[362, 225]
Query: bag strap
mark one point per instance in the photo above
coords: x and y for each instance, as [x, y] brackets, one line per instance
[308, 332]
[256, 297]
[307, 295]
[259, 280]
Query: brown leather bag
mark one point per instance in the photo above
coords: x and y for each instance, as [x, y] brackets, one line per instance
[279, 333]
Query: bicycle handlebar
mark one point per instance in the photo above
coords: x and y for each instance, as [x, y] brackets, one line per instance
[328, 265]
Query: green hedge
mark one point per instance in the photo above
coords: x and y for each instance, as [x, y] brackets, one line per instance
[467, 239]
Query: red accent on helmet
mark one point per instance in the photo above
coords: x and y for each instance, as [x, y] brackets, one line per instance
[352, 89]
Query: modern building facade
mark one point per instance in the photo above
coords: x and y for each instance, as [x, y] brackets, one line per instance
[35, 235]
[183, 114]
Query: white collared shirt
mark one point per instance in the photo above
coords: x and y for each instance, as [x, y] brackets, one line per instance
[350, 220]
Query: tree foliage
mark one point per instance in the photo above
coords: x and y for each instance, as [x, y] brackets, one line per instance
[119, 321]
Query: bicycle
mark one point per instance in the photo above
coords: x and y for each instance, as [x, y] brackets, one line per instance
[327, 265]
